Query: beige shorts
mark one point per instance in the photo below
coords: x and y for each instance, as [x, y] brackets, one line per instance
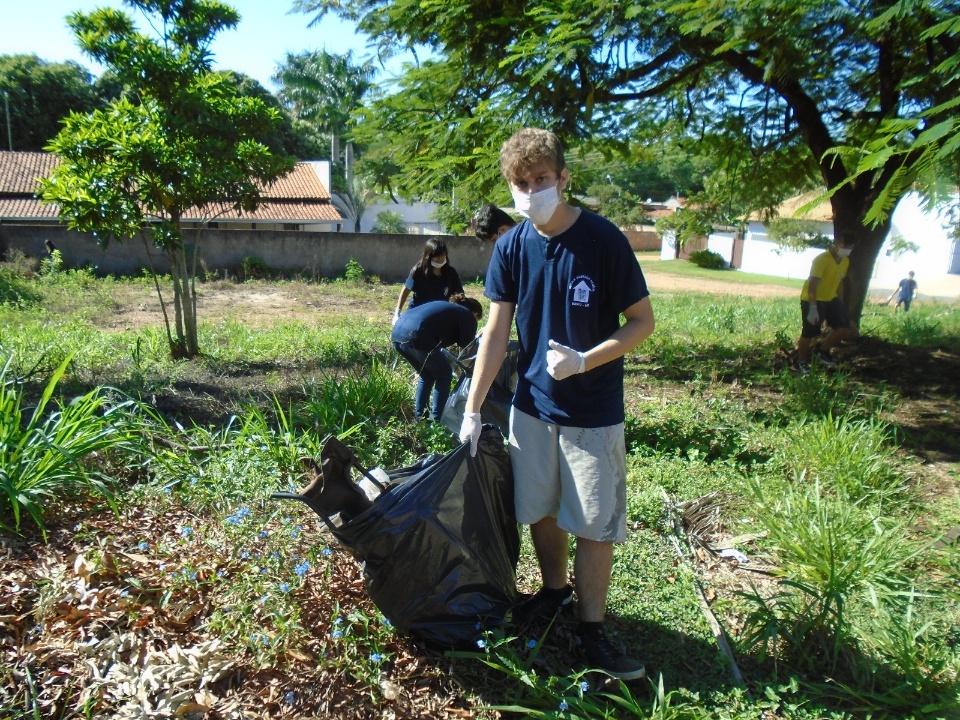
[577, 475]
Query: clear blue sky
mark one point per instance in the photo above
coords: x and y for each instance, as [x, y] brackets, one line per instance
[265, 34]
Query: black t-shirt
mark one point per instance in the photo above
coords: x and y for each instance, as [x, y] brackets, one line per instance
[427, 287]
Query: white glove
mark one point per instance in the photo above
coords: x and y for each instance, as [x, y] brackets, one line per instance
[396, 316]
[470, 431]
[562, 361]
[813, 317]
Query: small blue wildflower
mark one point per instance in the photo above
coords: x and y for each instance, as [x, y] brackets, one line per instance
[243, 512]
[264, 533]
[143, 545]
[275, 555]
[326, 551]
[478, 625]
[337, 621]
[481, 643]
[531, 643]
[232, 520]
[124, 593]
[221, 573]
[289, 697]
[564, 705]
[193, 481]
[295, 532]
[193, 576]
[584, 685]
[167, 490]
[244, 555]
[284, 588]
[161, 567]
[187, 531]
[386, 621]
[263, 571]
[263, 599]
[336, 634]
[375, 658]
[302, 568]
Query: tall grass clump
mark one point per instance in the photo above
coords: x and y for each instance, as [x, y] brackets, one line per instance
[363, 395]
[845, 607]
[46, 452]
[851, 458]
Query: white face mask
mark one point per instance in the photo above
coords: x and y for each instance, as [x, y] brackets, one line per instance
[539, 206]
[438, 264]
[844, 252]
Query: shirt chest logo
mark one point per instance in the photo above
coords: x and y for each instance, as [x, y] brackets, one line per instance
[582, 287]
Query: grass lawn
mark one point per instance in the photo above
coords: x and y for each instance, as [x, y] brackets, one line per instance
[791, 549]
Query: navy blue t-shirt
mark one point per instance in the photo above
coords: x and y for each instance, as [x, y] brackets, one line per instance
[436, 324]
[427, 287]
[572, 289]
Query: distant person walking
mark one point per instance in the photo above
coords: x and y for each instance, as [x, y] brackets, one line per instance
[419, 335]
[822, 299]
[906, 292]
[430, 279]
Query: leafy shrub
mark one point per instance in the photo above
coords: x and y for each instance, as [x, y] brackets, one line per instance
[253, 268]
[708, 259]
[353, 272]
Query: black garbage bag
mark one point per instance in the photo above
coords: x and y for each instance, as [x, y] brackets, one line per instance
[440, 547]
[496, 406]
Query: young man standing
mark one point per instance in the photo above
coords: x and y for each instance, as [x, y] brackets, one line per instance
[822, 299]
[569, 275]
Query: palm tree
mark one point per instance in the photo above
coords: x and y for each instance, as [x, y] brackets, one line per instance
[324, 89]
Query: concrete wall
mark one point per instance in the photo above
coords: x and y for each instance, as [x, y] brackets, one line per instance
[321, 253]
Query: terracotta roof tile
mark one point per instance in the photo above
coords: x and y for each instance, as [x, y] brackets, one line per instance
[19, 171]
[298, 197]
[27, 208]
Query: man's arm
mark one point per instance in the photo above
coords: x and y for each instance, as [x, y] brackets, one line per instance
[493, 348]
[813, 283]
[638, 327]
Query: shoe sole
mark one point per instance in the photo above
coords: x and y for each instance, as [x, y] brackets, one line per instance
[632, 675]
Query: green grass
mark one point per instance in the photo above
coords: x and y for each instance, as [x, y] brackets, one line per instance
[809, 468]
[688, 269]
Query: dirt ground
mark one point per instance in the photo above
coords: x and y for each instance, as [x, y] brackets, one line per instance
[262, 306]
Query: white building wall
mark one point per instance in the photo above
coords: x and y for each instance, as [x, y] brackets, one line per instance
[419, 217]
[722, 244]
[763, 256]
[930, 230]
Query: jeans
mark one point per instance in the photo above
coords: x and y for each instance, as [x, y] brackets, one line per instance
[435, 377]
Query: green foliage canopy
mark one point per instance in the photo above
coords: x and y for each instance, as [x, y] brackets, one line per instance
[771, 87]
[38, 94]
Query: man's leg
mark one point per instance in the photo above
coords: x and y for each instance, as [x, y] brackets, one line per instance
[834, 339]
[553, 552]
[593, 566]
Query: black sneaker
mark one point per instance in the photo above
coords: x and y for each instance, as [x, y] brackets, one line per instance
[545, 604]
[602, 654]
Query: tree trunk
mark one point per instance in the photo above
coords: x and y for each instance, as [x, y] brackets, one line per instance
[849, 209]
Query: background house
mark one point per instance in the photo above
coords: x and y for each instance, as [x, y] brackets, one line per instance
[420, 217]
[920, 240]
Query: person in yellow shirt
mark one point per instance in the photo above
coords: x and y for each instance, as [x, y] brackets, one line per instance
[822, 299]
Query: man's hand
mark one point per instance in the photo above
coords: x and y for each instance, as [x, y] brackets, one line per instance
[562, 361]
[470, 431]
[813, 317]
